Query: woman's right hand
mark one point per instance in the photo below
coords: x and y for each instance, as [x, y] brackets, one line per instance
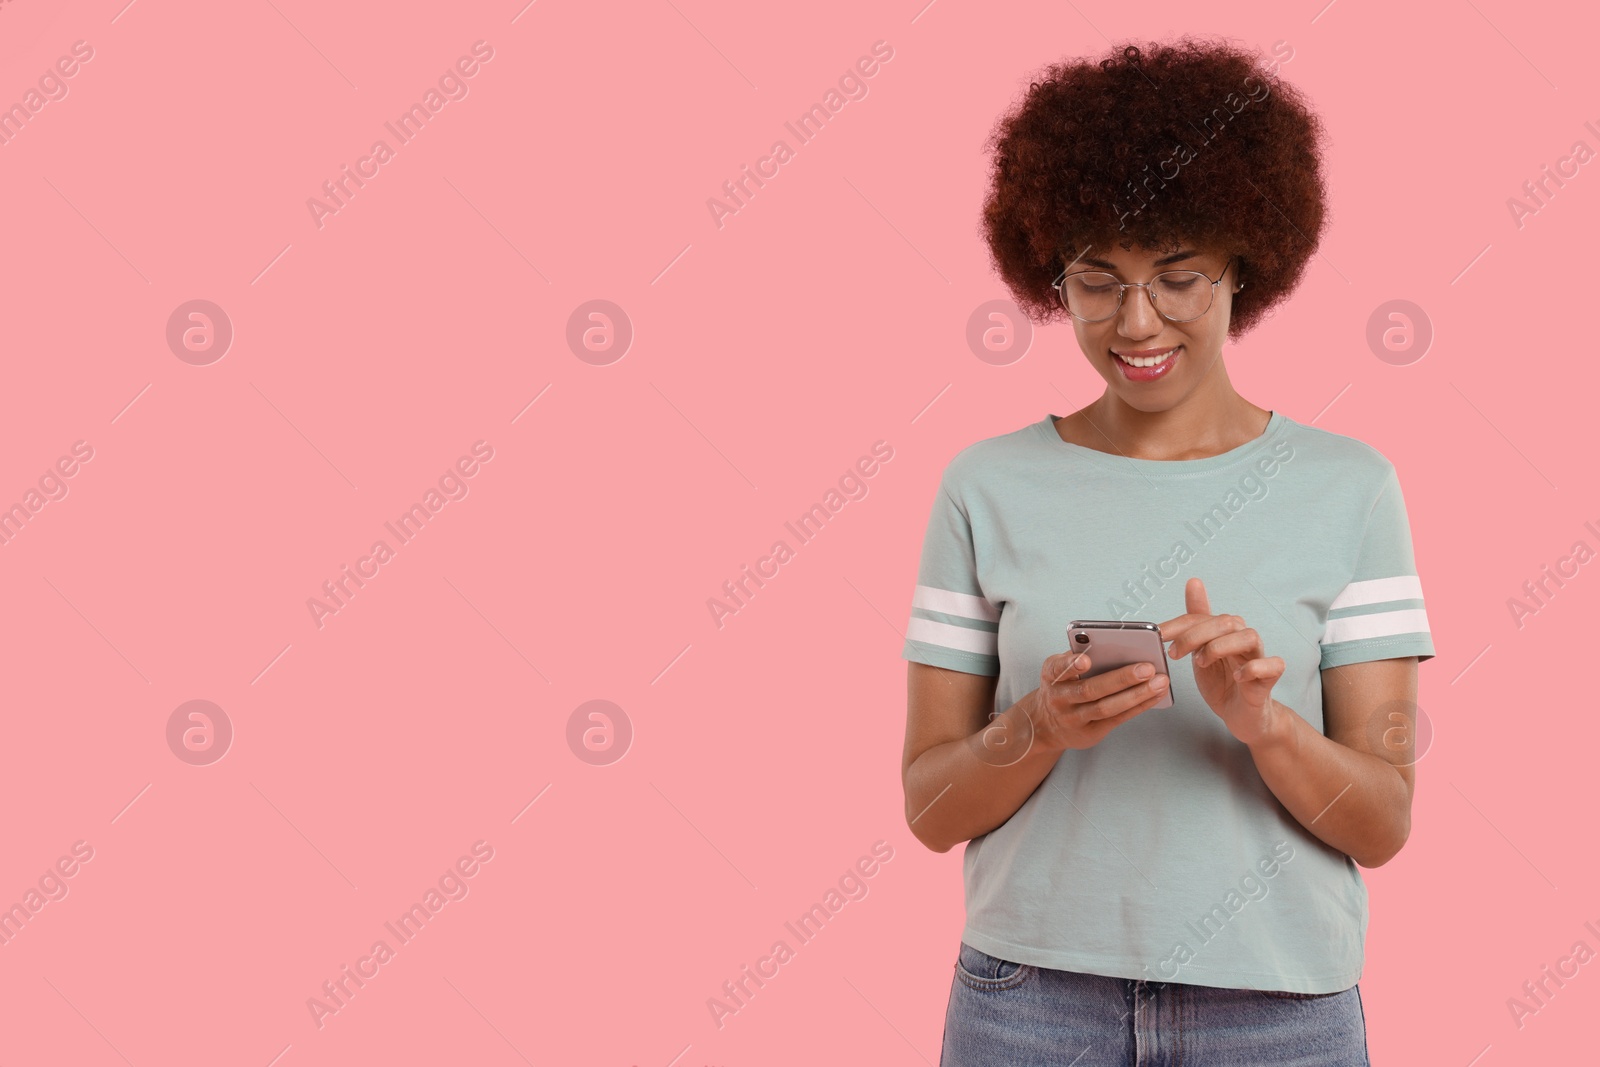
[1071, 711]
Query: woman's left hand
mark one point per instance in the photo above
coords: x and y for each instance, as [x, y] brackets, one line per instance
[1231, 669]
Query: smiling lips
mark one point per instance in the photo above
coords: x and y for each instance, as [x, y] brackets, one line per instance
[1146, 365]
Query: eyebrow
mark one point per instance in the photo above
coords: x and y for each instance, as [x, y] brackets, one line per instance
[1162, 262]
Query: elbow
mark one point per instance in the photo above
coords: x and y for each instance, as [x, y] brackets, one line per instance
[1391, 848]
[921, 828]
[923, 831]
[931, 843]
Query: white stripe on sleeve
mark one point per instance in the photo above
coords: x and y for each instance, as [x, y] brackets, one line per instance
[946, 602]
[1377, 624]
[1378, 590]
[949, 635]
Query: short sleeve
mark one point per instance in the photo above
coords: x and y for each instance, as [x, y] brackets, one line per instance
[1380, 612]
[952, 624]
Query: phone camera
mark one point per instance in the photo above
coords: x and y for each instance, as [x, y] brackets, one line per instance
[1083, 639]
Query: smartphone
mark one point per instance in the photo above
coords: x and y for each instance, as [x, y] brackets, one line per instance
[1111, 644]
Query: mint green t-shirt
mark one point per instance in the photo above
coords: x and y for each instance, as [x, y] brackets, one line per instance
[1160, 853]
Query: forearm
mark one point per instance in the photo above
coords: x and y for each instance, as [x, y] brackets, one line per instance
[965, 788]
[1352, 801]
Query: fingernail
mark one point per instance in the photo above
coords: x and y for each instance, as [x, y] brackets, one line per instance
[1144, 670]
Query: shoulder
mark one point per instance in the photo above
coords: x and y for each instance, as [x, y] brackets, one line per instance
[983, 461]
[1336, 455]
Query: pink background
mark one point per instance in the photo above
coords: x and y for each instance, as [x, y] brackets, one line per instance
[767, 356]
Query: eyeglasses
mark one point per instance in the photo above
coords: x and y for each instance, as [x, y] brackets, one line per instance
[1177, 295]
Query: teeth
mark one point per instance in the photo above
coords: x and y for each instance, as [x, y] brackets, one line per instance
[1146, 361]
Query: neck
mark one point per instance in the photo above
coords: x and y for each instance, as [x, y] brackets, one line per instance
[1202, 424]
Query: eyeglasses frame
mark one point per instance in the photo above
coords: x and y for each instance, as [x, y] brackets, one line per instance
[1061, 297]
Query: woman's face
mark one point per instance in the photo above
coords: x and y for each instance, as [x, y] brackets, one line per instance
[1137, 329]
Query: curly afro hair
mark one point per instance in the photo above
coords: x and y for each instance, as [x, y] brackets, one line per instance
[1190, 141]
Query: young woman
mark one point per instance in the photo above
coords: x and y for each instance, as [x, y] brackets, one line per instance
[1176, 885]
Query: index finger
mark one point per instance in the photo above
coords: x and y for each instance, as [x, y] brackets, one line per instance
[1176, 625]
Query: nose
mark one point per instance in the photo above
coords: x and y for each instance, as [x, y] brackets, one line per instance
[1138, 318]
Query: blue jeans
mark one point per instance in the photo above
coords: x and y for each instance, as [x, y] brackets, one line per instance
[1005, 1014]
